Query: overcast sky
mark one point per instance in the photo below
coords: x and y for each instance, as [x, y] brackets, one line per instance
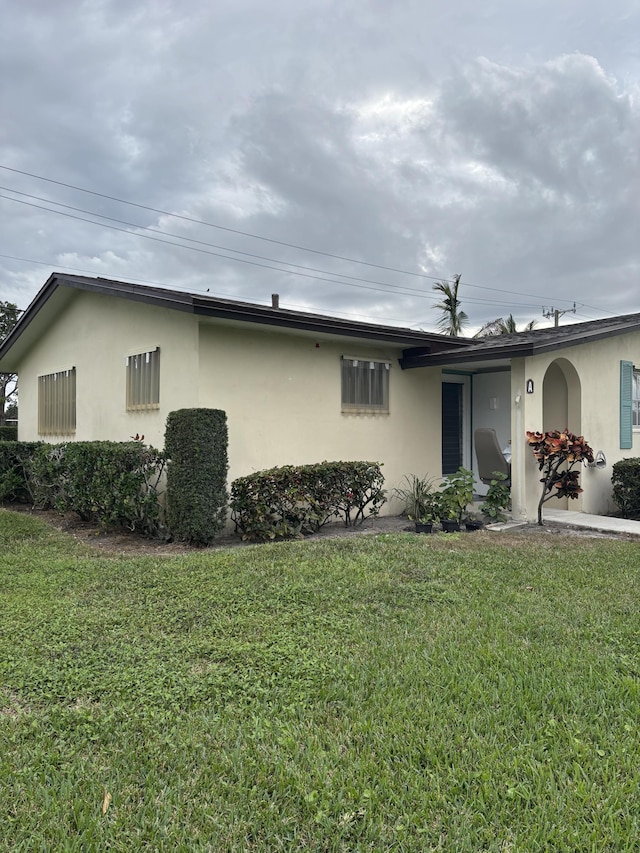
[420, 138]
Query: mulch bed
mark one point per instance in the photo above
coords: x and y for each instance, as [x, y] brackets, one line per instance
[126, 542]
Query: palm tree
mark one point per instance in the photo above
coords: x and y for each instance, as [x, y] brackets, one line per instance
[502, 326]
[452, 320]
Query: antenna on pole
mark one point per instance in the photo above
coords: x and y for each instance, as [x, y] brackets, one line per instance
[556, 313]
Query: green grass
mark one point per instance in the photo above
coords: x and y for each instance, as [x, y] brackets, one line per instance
[389, 693]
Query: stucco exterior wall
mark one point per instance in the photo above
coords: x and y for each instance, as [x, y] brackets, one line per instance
[281, 394]
[280, 391]
[95, 334]
[592, 374]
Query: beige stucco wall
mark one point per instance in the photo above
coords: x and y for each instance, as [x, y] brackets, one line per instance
[95, 334]
[280, 391]
[593, 411]
[281, 394]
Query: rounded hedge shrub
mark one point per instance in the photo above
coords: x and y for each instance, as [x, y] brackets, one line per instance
[196, 443]
[626, 486]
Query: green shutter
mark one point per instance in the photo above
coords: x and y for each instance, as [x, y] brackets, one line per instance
[626, 405]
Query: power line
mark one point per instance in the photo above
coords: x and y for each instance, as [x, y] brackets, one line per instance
[220, 227]
[252, 236]
[238, 251]
[190, 288]
[189, 239]
[388, 288]
[601, 310]
[414, 291]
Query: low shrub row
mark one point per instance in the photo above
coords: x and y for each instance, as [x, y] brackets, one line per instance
[116, 483]
[298, 500]
[8, 432]
[120, 484]
[15, 468]
[626, 486]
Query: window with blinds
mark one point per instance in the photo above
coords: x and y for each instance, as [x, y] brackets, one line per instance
[143, 381]
[57, 403]
[365, 385]
[636, 398]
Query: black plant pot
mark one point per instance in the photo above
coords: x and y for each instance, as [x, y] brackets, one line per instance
[450, 525]
[424, 527]
[473, 525]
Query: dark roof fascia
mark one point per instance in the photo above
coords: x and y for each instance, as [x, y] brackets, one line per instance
[227, 309]
[249, 313]
[158, 296]
[517, 349]
[408, 362]
[41, 298]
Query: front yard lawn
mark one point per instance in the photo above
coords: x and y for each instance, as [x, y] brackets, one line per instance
[388, 693]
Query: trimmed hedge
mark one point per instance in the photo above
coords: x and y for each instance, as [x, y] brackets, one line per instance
[626, 486]
[196, 447]
[8, 433]
[15, 468]
[298, 500]
[116, 483]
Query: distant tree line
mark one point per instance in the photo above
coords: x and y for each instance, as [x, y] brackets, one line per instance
[9, 314]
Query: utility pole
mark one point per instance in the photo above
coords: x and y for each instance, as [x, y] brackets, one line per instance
[556, 313]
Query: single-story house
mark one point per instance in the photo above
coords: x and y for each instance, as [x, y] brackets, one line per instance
[103, 359]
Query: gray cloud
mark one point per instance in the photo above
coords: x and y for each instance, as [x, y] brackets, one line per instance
[499, 141]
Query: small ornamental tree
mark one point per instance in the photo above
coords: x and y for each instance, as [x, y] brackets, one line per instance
[557, 453]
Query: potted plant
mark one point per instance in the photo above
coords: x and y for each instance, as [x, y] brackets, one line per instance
[456, 492]
[420, 504]
[497, 499]
[472, 521]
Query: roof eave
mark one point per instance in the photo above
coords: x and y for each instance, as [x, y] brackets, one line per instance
[513, 350]
[439, 359]
[156, 296]
[221, 308]
[262, 315]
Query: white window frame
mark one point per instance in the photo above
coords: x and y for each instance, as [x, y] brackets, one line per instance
[143, 380]
[57, 402]
[635, 399]
[357, 392]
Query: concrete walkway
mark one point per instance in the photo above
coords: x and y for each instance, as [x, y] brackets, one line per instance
[604, 523]
[593, 522]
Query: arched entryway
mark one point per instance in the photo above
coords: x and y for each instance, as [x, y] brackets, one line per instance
[562, 403]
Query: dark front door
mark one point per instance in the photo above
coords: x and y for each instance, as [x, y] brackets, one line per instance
[451, 427]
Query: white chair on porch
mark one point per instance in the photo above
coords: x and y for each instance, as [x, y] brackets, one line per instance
[490, 457]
